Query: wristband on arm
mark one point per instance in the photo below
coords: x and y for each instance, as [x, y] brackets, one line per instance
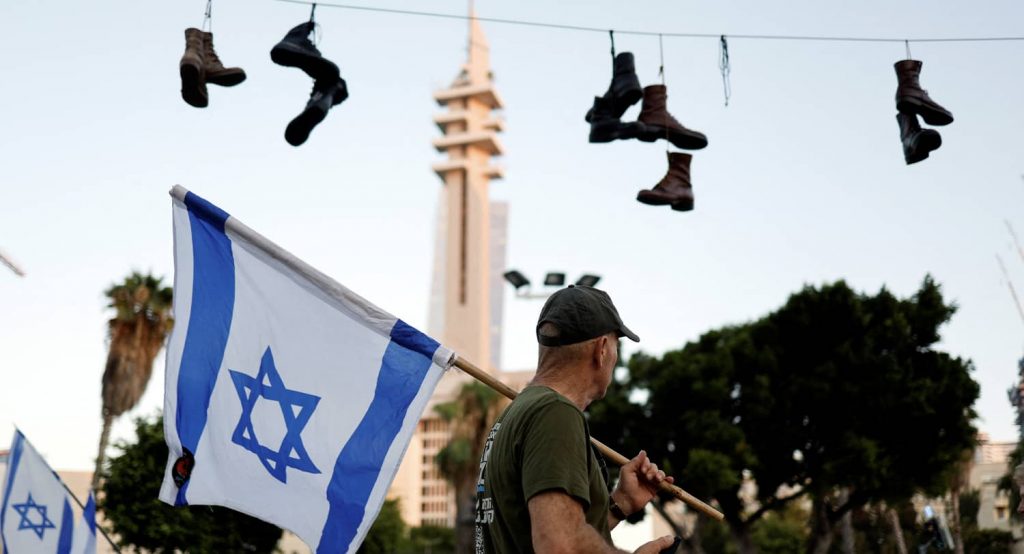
[616, 511]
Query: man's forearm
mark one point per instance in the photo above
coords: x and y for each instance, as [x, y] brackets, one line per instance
[589, 540]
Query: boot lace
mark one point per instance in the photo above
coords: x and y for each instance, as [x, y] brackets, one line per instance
[211, 54]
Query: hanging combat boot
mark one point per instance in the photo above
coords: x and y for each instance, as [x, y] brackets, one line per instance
[324, 96]
[911, 98]
[917, 142]
[605, 126]
[216, 73]
[624, 90]
[296, 50]
[658, 123]
[674, 188]
[191, 68]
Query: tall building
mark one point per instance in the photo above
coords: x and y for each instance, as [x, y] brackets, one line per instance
[469, 260]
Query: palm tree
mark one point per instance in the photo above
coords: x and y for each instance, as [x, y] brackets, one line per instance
[136, 333]
[470, 416]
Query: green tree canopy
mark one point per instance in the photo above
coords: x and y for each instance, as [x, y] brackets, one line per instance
[834, 392]
[129, 502]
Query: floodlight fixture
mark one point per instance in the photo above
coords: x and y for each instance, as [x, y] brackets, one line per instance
[588, 280]
[554, 279]
[516, 279]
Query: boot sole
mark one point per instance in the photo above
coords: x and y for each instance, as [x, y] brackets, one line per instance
[931, 116]
[191, 91]
[686, 141]
[229, 79]
[319, 68]
[653, 201]
[604, 132]
[299, 129]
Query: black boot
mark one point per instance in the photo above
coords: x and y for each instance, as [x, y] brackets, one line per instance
[624, 90]
[911, 98]
[605, 126]
[296, 50]
[917, 142]
[320, 101]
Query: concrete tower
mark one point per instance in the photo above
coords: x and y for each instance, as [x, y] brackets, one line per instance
[461, 310]
[469, 259]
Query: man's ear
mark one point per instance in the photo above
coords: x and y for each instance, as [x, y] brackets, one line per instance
[600, 346]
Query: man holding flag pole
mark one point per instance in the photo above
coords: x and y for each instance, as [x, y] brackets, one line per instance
[287, 396]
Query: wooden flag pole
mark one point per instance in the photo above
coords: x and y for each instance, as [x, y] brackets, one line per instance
[607, 452]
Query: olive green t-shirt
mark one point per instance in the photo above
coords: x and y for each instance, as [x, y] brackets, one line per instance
[540, 443]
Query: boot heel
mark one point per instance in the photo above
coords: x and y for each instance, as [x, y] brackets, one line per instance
[191, 86]
[604, 131]
[683, 205]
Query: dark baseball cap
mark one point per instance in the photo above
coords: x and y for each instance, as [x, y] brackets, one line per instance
[581, 313]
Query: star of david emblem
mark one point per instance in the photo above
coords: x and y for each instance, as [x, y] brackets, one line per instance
[26, 523]
[296, 409]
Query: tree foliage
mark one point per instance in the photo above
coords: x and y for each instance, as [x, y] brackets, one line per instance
[387, 534]
[129, 502]
[836, 394]
[470, 416]
[136, 333]
[988, 541]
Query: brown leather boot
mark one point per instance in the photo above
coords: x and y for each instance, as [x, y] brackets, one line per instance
[659, 124]
[216, 73]
[674, 188]
[911, 98]
[917, 142]
[193, 76]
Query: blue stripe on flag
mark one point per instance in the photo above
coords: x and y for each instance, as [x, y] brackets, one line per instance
[407, 336]
[67, 527]
[204, 209]
[17, 447]
[213, 300]
[405, 364]
[90, 513]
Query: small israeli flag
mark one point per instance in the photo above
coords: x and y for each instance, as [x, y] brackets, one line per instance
[36, 514]
[288, 397]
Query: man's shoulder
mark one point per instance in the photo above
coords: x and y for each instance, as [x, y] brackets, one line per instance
[537, 396]
[539, 405]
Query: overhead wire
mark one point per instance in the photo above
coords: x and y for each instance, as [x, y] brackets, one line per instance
[566, 27]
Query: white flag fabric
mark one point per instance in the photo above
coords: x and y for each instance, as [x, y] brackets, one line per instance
[36, 515]
[288, 397]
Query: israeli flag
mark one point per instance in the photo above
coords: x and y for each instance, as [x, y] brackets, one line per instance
[288, 397]
[37, 514]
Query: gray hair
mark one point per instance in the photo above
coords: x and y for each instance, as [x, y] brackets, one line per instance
[550, 357]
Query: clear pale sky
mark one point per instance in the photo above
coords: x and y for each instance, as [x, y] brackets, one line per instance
[803, 181]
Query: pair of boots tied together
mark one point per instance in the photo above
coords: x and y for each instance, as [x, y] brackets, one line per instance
[329, 89]
[913, 101]
[654, 122]
[200, 65]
